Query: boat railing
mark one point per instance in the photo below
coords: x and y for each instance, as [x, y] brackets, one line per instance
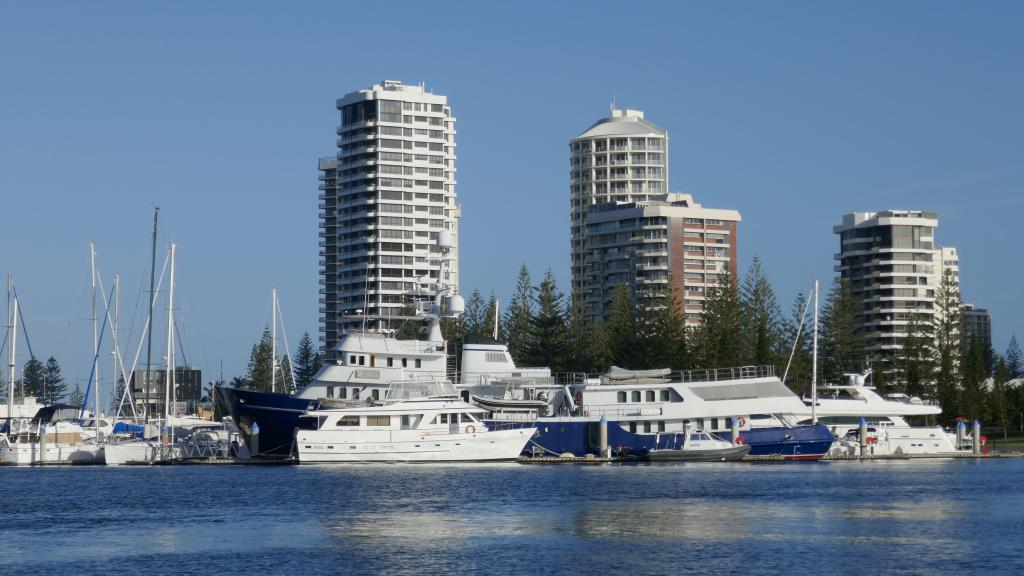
[697, 375]
[620, 410]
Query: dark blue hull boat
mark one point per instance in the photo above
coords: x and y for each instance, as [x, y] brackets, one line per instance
[580, 438]
[266, 420]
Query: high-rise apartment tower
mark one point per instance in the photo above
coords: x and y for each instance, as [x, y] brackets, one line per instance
[621, 158]
[894, 269]
[385, 196]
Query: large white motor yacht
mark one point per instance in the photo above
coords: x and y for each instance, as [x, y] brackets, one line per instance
[415, 422]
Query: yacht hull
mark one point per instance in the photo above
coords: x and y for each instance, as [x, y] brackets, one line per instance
[275, 416]
[322, 446]
[580, 437]
[34, 453]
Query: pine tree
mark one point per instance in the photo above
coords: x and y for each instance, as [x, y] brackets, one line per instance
[599, 351]
[77, 397]
[1013, 360]
[947, 345]
[841, 348]
[518, 318]
[473, 317]
[999, 397]
[718, 336]
[798, 378]
[32, 379]
[579, 333]
[761, 318]
[972, 393]
[622, 330]
[916, 359]
[56, 389]
[307, 362]
[258, 376]
[879, 375]
[671, 333]
[285, 374]
[548, 340]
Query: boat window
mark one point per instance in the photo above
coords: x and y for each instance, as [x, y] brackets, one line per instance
[632, 427]
[362, 360]
[622, 397]
[391, 362]
[355, 393]
[376, 394]
[378, 420]
[650, 395]
[467, 418]
[664, 396]
[373, 361]
[647, 426]
[405, 362]
[348, 421]
[694, 437]
[419, 363]
[342, 392]
[636, 395]
[444, 418]
[661, 425]
[705, 437]
[352, 359]
[405, 421]
[330, 391]
[713, 424]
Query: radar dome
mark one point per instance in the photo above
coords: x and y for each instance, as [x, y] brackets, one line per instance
[456, 304]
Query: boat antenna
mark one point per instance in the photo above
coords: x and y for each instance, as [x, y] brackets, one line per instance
[149, 328]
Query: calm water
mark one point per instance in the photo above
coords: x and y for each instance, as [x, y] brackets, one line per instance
[918, 517]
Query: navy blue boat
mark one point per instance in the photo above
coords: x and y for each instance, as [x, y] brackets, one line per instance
[580, 437]
[273, 415]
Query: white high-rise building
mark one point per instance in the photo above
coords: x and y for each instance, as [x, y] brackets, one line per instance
[894, 269]
[384, 198]
[621, 158]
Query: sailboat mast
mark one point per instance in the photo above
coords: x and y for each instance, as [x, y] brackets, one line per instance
[95, 344]
[169, 375]
[273, 340]
[12, 333]
[814, 362]
[113, 352]
[152, 300]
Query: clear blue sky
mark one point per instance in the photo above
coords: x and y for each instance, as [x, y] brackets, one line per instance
[793, 113]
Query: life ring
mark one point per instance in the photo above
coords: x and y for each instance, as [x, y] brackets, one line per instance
[742, 422]
[740, 440]
[470, 429]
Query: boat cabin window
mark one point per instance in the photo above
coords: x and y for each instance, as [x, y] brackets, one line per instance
[443, 419]
[362, 360]
[622, 397]
[348, 421]
[342, 393]
[330, 391]
[352, 359]
[650, 395]
[405, 421]
[355, 393]
[636, 395]
[632, 427]
[647, 426]
[467, 418]
[378, 420]
[661, 425]
[405, 362]
[376, 394]
[391, 362]
[664, 396]
[419, 363]
[694, 437]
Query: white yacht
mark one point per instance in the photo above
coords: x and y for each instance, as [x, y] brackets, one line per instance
[841, 407]
[53, 436]
[414, 422]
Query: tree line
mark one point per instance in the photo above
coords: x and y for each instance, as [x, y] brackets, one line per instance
[259, 373]
[743, 324]
[39, 380]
